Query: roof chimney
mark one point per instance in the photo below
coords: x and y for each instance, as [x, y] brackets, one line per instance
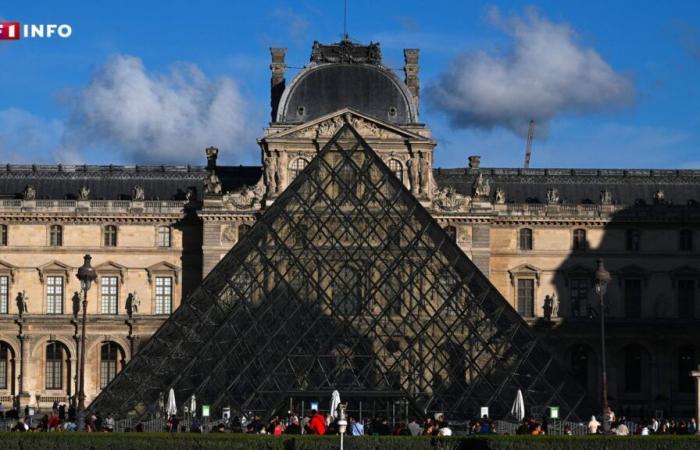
[474, 161]
[410, 68]
[277, 81]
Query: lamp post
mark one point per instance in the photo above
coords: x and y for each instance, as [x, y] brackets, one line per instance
[601, 280]
[86, 274]
[342, 423]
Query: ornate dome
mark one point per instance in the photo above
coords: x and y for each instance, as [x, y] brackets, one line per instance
[346, 75]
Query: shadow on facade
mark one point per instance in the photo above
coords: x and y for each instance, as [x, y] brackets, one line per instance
[650, 310]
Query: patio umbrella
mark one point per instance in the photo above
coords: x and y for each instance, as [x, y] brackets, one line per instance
[518, 409]
[335, 401]
[171, 410]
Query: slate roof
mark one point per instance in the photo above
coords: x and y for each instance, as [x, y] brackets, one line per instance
[628, 186]
[118, 182]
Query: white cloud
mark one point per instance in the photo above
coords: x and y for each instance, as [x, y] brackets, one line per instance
[545, 73]
[164, 118]
[27, 138]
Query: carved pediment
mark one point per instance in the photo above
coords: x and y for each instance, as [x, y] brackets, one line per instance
[631, 271]
[525, 270]
[326, 126]
[7, 268]
[112, 267]
[245, 198]
[684, 273]
[163, 267]
[578, 271]
[54, 267]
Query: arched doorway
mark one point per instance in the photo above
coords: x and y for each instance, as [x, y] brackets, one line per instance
[7, 369]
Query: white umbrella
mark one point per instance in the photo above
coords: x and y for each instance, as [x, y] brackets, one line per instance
[335, 401]
[171, 410]
[518, 409]
[193, 405]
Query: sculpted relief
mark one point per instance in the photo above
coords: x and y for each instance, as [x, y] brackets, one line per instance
[327, 128]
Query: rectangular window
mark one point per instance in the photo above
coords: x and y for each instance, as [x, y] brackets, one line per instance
[686, 240]
[109, 292]
[4, 294]
[3, 235]
[54, 374]
[526, 296]
[56, 236]
[686, 299]
[54, 295]
[633, 299]
[578, 291]
[164, 295]
[163, 236]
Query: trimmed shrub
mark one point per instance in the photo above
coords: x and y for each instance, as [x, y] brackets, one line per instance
[188, 441]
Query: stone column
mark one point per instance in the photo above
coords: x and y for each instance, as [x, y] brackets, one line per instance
[410, 69]
[696, 374]
[277, 81]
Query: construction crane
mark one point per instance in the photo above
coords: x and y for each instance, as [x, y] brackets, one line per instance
[528, 146]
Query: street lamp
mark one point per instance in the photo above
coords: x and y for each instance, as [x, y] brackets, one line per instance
[342, 423]
[86, 274]
[601, 280]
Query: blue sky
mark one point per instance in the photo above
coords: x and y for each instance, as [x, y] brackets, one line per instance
[144, 81]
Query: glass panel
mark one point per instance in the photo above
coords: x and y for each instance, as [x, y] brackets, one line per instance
[109, 291]
[4, 294]
[164, 295]
[54, 295]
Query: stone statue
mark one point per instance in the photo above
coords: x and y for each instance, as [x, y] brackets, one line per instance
[132, 304]
[424, 173]
[84, 193]
[413, 173]
[270, 175]
[76, 304]
[244, 198]
[213, 185]
[500, 196]
[448, 199]
[21, 300]
[553, 196]
[29, 193]
[481, 187]
[659, 196]
[282, 166]
[139, 194]
[548, 307]
[606, 197]
[555, 305]
[212, 153]
[189, 195]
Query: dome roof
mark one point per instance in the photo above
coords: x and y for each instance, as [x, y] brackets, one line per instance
[366, 86]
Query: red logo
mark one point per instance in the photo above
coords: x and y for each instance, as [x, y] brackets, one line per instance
[9, 31]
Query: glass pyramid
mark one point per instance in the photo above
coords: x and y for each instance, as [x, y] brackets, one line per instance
[346, 282]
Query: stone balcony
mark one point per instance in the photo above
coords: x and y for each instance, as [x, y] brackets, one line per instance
[92, 206]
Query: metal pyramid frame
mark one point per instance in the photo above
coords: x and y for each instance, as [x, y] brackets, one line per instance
[345, 282]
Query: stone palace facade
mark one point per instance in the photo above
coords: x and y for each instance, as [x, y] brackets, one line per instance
[154, 232]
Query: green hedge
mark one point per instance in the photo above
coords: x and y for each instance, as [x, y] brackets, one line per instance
[182, 441]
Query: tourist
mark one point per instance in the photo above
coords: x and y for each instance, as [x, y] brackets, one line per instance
[414, 427]
[356, 428]
[444, 428]
[317, 424]
[692, 426]
[654, 425]
[2, 411]
[537, 430]
[108, 424]
[593, 426]
[279, 428]
[294, 427]
[621, 429]
[20, 426]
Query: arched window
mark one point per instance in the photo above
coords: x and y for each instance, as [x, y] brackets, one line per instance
[3, 235]
[110, 236]
[110, 354]
[56, 235]
[347, 292]
[396, 168]
[686, 364]
[296, 166]
[54, 365]
[580, 242]
[242, 230]
[5, 358]
[525, 239]
[451, 232]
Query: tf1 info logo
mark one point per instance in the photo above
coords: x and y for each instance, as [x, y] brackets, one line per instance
[12, 31]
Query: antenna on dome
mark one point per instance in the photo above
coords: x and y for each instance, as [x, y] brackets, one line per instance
[345, 19]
